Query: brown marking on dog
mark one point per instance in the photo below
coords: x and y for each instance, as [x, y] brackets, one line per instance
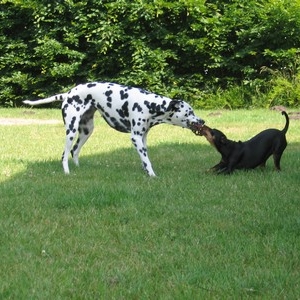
[206, 132]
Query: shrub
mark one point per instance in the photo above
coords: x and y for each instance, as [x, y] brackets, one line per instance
[209, 53]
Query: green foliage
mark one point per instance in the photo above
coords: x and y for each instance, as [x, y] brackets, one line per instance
[195, 50]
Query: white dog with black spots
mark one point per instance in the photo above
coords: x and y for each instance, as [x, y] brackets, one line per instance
[126, 109]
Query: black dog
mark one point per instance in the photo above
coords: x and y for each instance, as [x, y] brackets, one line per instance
[250, 154]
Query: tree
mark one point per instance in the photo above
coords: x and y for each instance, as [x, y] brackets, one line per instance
[182, 49]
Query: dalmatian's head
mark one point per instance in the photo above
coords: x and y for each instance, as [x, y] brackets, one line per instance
[182, 114]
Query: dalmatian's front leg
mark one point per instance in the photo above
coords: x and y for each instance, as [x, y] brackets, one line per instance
[138, 142]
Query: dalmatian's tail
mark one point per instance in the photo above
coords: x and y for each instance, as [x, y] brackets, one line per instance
[59, 97]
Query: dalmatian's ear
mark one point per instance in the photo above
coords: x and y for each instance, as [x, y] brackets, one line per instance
[174, 105]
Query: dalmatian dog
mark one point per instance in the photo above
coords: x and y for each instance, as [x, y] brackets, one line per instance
[126, 109]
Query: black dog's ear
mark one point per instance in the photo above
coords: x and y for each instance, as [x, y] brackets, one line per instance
[174, 105]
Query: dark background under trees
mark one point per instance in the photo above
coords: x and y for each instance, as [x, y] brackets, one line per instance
[225, 54]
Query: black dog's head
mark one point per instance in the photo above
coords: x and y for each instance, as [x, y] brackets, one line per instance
[214, 136]
[219, 139]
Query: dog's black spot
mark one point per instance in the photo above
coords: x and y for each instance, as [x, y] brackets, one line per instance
[87, 99]
[108, 104]
[60, 98]
[107, 94]
[137, 106]
[145, 151]
[134, 142]
[86, 131]
[63, 111]
[123, 94]
[144, 92]
[138, 132]
[154, 108]
[123, 112]
[133, 122]
[71, 126]
[77, 99]
[127, 124]
[90, 85]
[75, 148]
[154, 123]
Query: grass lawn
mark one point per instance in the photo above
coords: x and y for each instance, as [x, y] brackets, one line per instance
[107, 231]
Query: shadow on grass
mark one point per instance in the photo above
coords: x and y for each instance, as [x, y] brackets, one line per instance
[117, 176]
[114, 175]
[124, 161]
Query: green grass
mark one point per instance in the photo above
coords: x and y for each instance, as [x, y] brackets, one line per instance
[107, 231]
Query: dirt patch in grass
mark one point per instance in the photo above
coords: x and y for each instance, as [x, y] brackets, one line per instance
[292, 115]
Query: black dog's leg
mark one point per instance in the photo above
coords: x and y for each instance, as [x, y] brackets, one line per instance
[277, 158]
[225, 171]
[220, 166]
[279, 149]
[234, 161]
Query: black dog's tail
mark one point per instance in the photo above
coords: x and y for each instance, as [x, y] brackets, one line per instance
[286, 127]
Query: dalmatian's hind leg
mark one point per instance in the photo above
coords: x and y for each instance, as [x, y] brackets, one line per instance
[85, 130]
[71, 130]
[71, 117]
